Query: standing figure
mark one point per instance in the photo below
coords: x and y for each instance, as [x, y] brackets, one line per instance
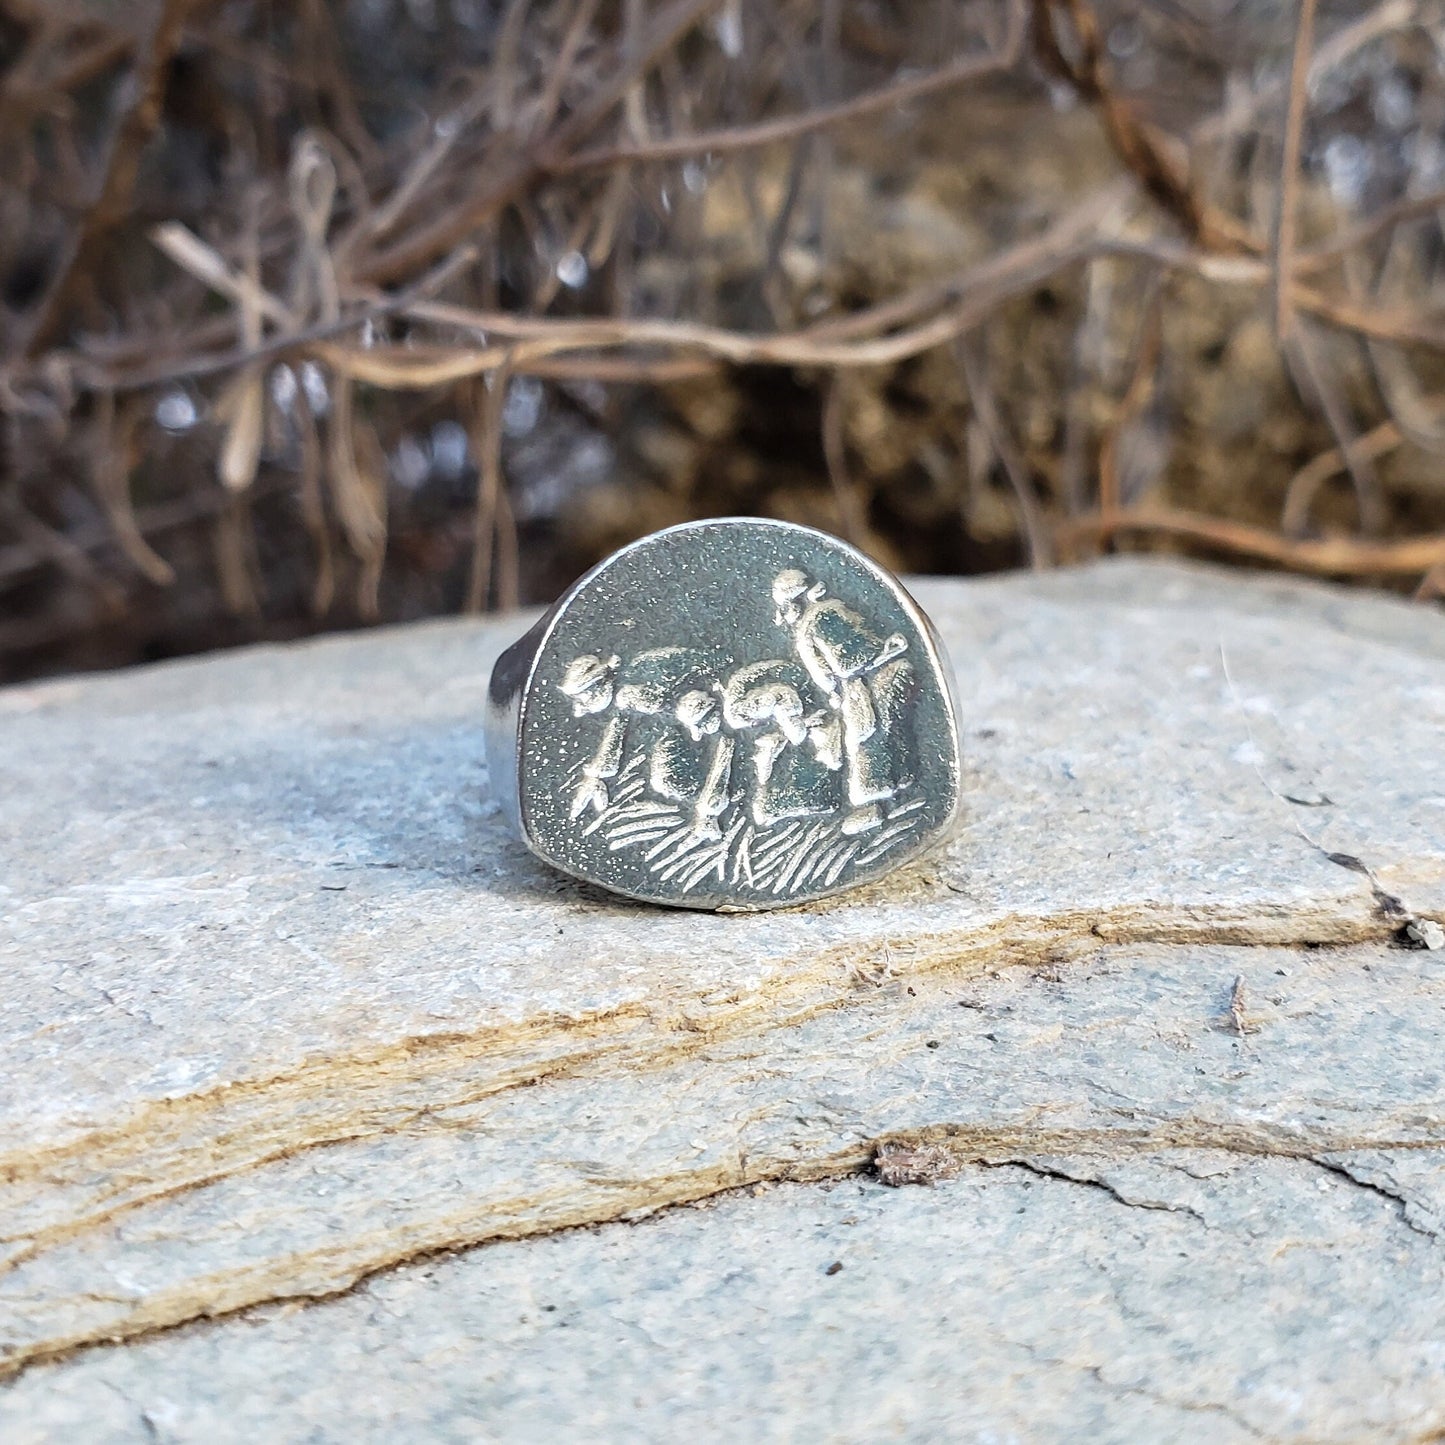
[866, 681]
[641, 695]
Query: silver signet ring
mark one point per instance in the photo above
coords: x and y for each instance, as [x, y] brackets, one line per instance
[733, 714]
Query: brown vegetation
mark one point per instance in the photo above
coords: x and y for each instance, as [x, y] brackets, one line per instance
[322, 312]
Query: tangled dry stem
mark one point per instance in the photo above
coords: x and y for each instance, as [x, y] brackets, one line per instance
[390, 267]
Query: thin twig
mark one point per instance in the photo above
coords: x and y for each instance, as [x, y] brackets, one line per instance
[1309, 369]
[1140, 145]
[489, 397]
[1408, 208]
[1299, 496]
[1327, 557]
[112, 199]
[852, 512]
[974, 366]
[424, 244]
[787, 128]
[1136, 398]
[1288, 205]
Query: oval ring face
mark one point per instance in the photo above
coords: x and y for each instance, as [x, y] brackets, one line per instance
[733, 714]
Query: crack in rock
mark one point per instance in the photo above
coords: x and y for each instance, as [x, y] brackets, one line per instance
[1059, 1171]
[1407, 1207]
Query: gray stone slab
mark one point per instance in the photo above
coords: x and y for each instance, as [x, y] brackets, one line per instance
[1197, 1296]
[282, 1007]
[1116, 1056]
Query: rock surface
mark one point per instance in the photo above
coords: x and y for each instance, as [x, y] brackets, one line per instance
[1279, 1302]
[282, 1008]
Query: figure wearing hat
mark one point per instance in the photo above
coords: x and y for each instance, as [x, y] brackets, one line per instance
[643, 696]
[794, 760]
[694, 766]
[866, 681]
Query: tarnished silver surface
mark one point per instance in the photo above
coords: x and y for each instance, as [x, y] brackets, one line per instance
[733, 714]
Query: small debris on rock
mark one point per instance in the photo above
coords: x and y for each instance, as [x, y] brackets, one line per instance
[900, 1162]
[834, 1268]
[1426, 933]
[1236, 1017]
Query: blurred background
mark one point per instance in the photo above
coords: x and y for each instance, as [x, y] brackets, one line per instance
[318, 313]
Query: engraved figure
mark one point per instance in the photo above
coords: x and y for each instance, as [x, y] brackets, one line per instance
[589, 682]
[642, 696]
[794, 760]
[682, 758]
[684, 772]
[865, 680]
[775, 774]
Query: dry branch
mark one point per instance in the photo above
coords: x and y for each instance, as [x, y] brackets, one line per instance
[1325, 557]
[560, 221]
[112, 199]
